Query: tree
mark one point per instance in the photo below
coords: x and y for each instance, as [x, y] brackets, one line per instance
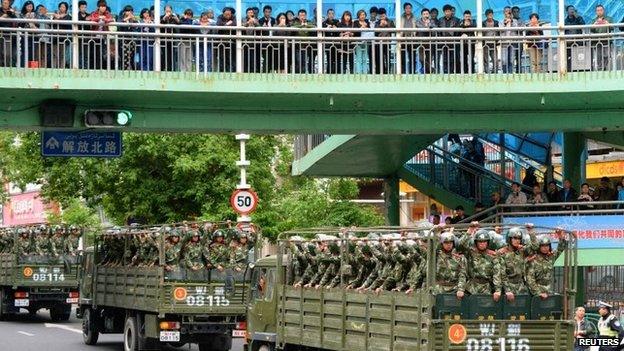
[173, 177]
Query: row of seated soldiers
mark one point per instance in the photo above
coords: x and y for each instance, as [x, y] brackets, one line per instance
[188, 246]
[41, 240]
[466, 263]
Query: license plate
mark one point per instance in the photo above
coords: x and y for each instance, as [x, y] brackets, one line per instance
[238, 333]
[22, 303]
[72, 300]
[170, 336]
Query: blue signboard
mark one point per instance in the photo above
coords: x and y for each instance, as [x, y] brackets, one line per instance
[81, 144]
[593, 232]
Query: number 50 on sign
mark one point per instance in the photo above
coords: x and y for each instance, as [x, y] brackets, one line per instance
[244, 201]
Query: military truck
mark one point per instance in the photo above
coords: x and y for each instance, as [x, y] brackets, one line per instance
[284, 317]
[34, 279]
[157, 304]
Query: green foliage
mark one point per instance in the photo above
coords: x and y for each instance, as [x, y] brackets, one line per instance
[77, 213]
[174, 177]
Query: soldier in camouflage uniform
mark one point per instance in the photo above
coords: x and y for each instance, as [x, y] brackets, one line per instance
[484, 267]
[6, 241]
[24, 244]
[239, 252]
[416, 272]
[513, 259]
[385, 256]
[57, 242]
[311, 265]
[541, 265]
[331, 277]
[122, 247]
[42, 241]
[218, 254]
[367, 263]
[322, 262]
[72, 241]
[450, 268]
[299, 259]
[402, 256]
[147, 250]
[173, 246]
[192, 253]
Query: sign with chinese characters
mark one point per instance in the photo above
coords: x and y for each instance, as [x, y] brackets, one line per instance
[593, 232]
[81, 144]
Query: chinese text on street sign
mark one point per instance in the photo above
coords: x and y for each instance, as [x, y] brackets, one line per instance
[81, 144]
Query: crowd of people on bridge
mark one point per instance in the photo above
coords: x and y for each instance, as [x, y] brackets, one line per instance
[262, 55]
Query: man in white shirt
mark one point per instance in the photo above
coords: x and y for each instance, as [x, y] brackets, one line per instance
[516, 197]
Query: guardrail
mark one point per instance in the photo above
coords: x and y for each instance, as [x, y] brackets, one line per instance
[27, 43]
[495, 213]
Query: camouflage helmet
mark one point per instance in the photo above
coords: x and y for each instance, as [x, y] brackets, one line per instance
[447, 237]
[73, 227]
[22, 231]
[217, 233]
[312, 249]
[544, 240]
[514, 233]
[497, 241]
[243, 235]
[482, 235]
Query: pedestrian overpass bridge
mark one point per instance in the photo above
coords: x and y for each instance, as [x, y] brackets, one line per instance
[419, 85]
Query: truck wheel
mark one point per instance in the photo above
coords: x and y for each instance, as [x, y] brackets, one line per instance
[90, 332]
[3, 313]
[131, 335]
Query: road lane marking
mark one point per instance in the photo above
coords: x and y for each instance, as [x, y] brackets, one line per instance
[64, 327]
[25, 333]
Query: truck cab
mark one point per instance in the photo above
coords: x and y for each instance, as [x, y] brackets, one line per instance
[262, 309]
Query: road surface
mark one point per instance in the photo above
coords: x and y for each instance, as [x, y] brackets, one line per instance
[38, 333]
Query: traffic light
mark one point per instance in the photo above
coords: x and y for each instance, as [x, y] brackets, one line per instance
[107, 118]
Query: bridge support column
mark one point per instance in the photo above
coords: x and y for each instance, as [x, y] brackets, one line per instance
[574, 158]
[392, 200]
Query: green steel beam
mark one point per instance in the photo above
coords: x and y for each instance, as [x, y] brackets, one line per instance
[292, 104]
[445, 197]
[574, 158]
[615, 139]
[392, 200]
[361, 155]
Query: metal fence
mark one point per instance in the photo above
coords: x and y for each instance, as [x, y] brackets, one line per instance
[27, 43]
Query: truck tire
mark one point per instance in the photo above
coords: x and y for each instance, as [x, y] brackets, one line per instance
[90, 333]
[3, 312]
[131, 334]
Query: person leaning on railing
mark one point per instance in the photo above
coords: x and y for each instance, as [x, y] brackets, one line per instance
[361, 59]
[331, 48]
[128, 45]
[226, 53]
[490, 47]
[382, 56]
[426, 51]
[509, 49]
[467, 50]
[345, 48]
[600, 47]
[61, 43]
[535, 46]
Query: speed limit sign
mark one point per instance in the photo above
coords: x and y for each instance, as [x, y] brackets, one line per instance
[244, 201]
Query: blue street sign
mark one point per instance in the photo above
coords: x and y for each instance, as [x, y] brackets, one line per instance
[81, 144]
